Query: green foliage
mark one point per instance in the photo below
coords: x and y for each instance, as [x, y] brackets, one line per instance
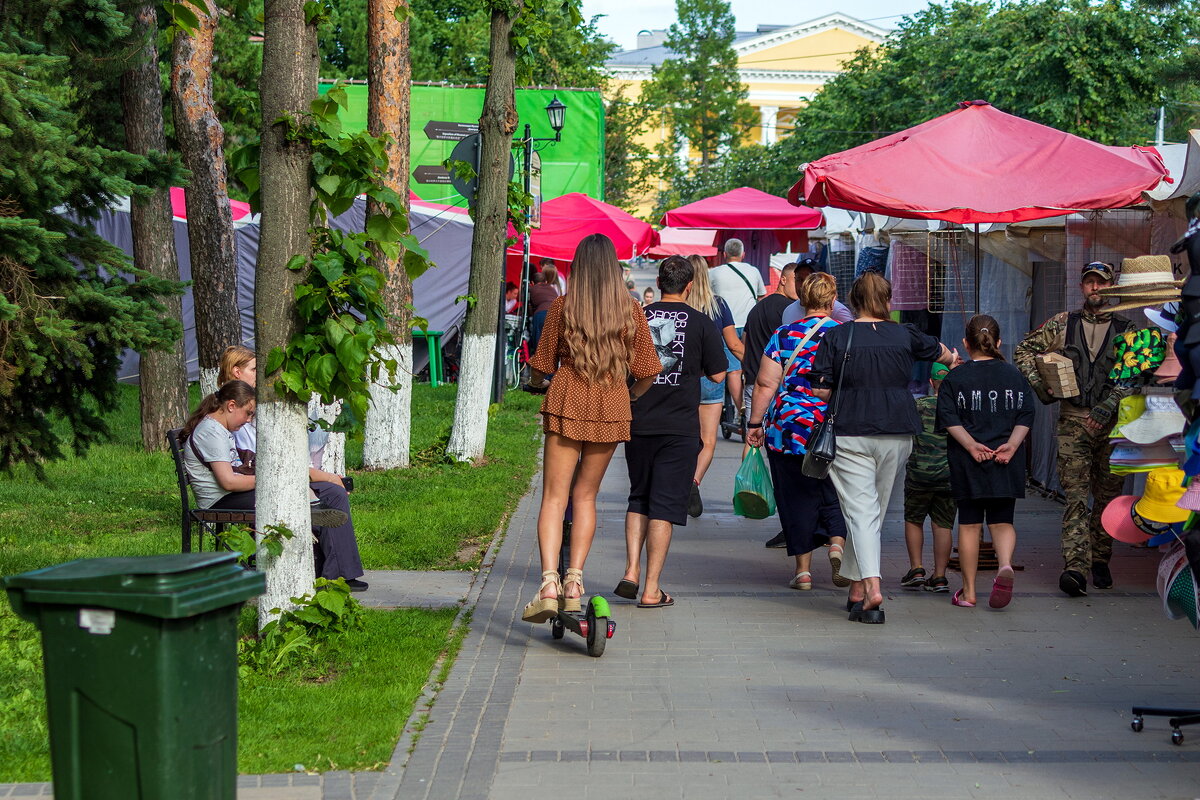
[344, 320]
[242, 541]
[236, 67]
[628, 165]
[449, 43]
[1094, 69]
[69, 308]
[297, 638]
[698, 91]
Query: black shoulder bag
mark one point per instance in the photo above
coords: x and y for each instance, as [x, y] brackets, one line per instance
[822, 447]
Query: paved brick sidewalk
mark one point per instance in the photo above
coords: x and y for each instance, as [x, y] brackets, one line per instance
[748, 689]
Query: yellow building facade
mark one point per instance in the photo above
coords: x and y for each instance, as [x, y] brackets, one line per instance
[782, 67]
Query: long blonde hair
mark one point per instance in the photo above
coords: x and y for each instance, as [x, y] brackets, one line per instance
[597, 318]
[702, 298]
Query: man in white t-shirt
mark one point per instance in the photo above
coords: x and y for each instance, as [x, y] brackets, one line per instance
[741, 286]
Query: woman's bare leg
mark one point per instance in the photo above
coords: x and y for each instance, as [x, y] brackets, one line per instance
[710, 420]
[596, 456]
[560, 457]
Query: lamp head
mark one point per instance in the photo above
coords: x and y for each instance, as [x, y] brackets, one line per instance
[557, 113]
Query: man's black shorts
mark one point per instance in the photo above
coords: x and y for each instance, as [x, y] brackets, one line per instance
[661, 469]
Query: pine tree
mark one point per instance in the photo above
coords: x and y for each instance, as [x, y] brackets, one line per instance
[68, 306]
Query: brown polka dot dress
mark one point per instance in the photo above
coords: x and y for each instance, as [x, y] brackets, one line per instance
[577, 408]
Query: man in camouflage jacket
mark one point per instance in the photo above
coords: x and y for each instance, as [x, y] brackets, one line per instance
[1084, 422]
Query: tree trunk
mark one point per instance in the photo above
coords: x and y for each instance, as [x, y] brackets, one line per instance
[387, 438]
[210, 224]
[163, 379]
[496, 126]
[287, 87]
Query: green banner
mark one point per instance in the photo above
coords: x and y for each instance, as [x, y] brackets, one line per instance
[441, 116]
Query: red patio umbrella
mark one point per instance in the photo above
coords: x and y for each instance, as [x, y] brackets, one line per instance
[978, 164]
[568, 219]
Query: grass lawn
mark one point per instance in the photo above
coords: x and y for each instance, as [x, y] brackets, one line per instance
[118, 500]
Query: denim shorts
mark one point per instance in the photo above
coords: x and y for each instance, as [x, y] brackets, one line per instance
[734, 363]
[711, 393]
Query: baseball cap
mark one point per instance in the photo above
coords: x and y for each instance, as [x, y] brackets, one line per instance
[808, 262]
[1098, 267]
[938, 371]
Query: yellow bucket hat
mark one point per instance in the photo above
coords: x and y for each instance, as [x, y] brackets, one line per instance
[1164, 487]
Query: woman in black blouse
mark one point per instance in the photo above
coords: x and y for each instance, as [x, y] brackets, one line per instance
[876, 422]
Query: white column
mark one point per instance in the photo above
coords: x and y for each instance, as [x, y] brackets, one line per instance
[768, 116]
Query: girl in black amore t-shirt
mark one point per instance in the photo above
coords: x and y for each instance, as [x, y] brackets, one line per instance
[986, 406]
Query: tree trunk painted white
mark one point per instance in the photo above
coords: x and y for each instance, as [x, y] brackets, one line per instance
[469, 435]
[333, 454]
[388, 435]
[281, 487]
[208, 380]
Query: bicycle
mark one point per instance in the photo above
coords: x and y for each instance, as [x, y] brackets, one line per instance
[516, 352]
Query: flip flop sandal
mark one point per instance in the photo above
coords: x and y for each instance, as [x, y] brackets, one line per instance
[664, 600]
[626, 589]
[1002, 588]
[958, 600]
[835, 563]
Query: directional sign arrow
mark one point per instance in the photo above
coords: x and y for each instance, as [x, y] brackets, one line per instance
[450, 131]
[431, 174]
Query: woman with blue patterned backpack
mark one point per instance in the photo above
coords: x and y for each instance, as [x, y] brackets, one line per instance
[783, 412]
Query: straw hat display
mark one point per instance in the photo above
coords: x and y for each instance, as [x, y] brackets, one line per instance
[1144, 281]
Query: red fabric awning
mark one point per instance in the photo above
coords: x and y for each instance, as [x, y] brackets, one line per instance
[979, 164]
[237, 208]
[568, 219]
[744, 209]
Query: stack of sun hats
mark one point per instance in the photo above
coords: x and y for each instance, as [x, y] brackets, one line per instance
[1148, 434]
[1144, 281]
[1178, 587]
[1154, 517]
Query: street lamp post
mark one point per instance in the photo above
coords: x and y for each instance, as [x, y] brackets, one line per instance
[556, 113]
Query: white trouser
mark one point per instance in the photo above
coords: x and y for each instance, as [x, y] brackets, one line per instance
[863, 473]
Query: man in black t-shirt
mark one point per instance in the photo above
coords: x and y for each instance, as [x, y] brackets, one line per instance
[665, 431]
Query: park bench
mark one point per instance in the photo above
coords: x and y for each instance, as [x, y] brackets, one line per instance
[212, 520]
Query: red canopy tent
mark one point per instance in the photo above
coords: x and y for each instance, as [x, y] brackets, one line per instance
[744, 213]
[978, 164]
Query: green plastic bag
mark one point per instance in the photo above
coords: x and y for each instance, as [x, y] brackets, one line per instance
[753, 496]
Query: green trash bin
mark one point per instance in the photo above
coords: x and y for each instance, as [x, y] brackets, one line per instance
[141, 673]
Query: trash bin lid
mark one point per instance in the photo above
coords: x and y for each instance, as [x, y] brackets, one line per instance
[166, 586]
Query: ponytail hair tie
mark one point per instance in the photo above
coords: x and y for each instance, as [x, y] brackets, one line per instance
[984, 330]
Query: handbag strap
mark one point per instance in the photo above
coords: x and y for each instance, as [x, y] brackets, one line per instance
[787, 368]
[837, 392]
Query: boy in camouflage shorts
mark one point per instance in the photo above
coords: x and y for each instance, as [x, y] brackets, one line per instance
[927, 494]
